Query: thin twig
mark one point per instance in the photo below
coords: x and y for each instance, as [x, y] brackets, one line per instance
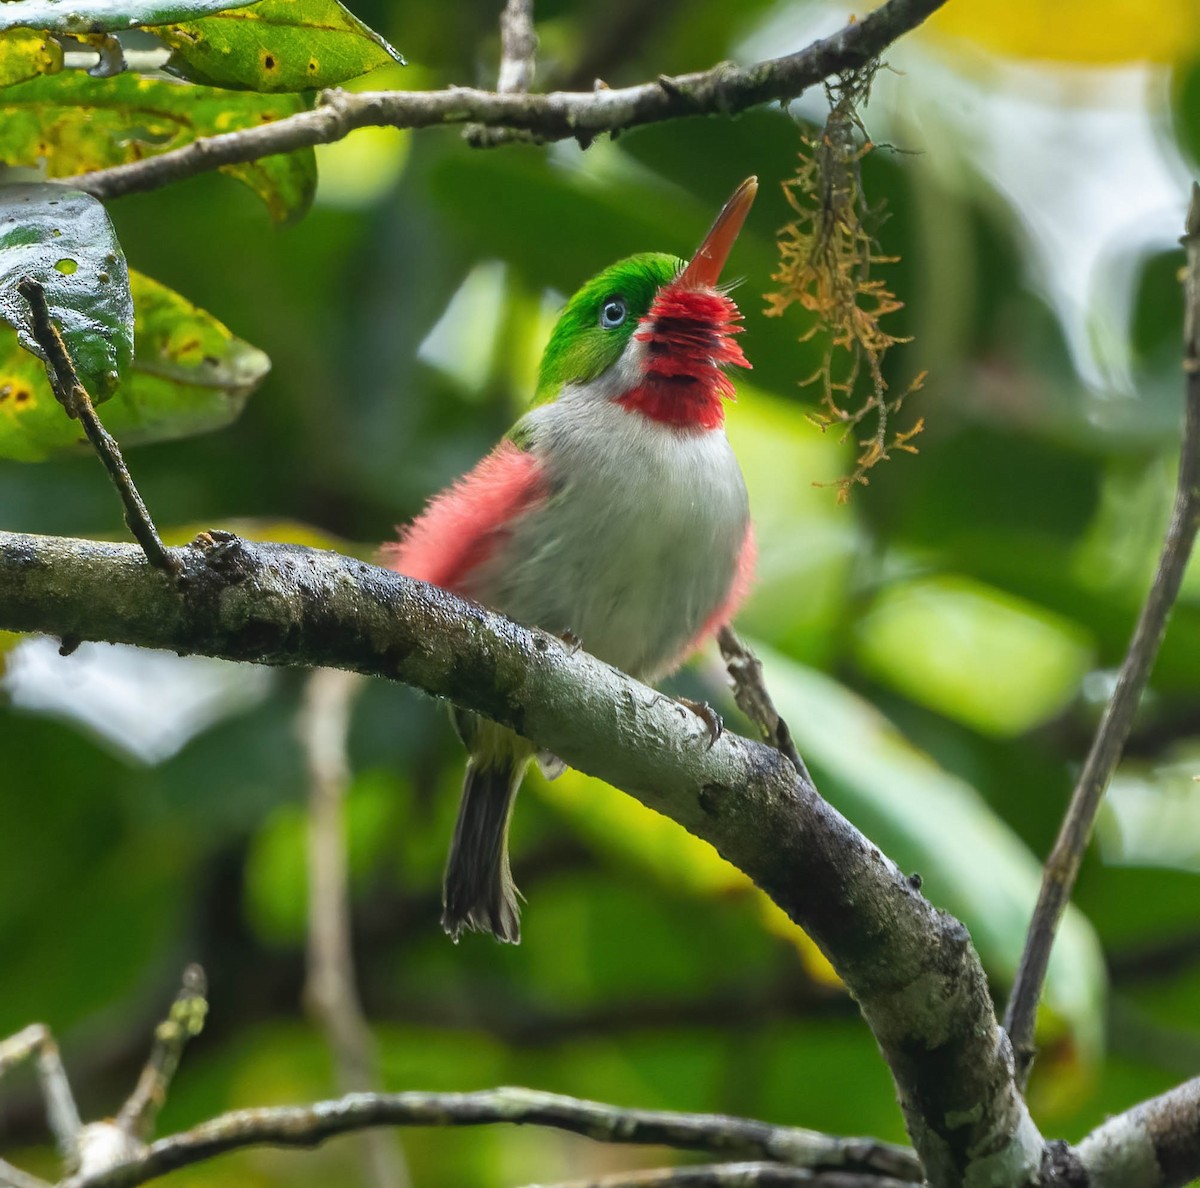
[1062, 866]
[750, 692]
[183, 1023]
[518, 45]
[308, 1126]
[725, 90]
[74, 398]
[35, 1042]
[330, 991]
[736, 1175]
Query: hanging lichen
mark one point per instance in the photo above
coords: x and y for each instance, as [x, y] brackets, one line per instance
[827, 258]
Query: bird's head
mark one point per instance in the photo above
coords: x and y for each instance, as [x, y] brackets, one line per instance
[654, 333]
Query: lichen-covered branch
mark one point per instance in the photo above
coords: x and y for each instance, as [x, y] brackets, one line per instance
[911, 968]
[724, 90]
[307, 1126]
[1154, 1145]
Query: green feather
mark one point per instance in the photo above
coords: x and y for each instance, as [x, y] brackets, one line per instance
[580, 349]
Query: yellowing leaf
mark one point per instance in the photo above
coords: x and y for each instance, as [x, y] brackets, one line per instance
[26, 54]
[188, 375]
[974, 653]
[72, 123]
[1091, 32]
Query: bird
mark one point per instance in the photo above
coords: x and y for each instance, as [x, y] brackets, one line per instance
[613, 514]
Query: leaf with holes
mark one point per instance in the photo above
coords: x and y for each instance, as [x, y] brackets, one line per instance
[63, 240]
[189, 375]
[276, 45]
[74, 123]
[103, 16]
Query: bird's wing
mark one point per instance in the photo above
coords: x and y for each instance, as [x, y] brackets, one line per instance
[464, 525]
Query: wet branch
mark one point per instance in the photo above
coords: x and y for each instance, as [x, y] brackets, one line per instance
[1062, 866]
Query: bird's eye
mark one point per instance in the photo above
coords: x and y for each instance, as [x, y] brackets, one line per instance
[613, 313]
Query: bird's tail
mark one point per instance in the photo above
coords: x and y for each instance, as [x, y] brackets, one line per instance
[478, 892]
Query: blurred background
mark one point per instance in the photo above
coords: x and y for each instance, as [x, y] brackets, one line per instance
[942, 644]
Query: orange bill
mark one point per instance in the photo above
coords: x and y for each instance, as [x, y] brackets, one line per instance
[704, 269]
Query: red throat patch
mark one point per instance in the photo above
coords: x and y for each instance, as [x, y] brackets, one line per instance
[689, 339]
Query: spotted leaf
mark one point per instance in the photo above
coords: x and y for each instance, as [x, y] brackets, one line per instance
[276, 45]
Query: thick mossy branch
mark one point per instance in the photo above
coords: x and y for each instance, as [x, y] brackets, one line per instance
[911, 968]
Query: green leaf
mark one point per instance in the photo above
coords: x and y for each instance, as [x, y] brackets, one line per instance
[935, 824]
[189, 375]
[63, 240]
[933, 637]
[102, 16]
[1185, 88]
[25, 54]
[75, 123]
[276, 45]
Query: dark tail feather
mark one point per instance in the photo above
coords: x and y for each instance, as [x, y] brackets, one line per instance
[478, 892]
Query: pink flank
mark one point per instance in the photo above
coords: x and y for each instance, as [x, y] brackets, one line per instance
[743, 579]
[464, 525]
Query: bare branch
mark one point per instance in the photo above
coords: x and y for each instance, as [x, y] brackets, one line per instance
[307, 1126]
[911, 968]
[330, 991]
[36, 1043]
[518, 46]
[1154, 1145]
[750, 692]
[736, 1175]
[725, 89]
[1062, 866]
[74, 398]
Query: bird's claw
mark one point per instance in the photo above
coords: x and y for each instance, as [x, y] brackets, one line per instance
[708, 716]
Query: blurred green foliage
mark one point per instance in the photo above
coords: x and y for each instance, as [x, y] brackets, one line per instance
[977, 596]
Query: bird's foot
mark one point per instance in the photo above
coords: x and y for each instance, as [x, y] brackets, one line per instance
[707, 715]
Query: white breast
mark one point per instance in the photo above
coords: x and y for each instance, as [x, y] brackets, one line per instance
[639, 542]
